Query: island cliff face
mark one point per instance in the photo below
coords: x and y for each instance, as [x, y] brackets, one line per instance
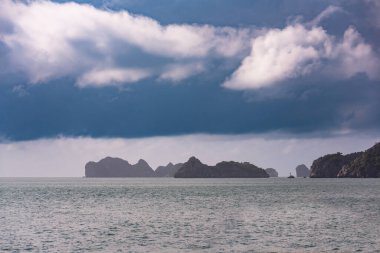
[302, 171]
[194, 168]
[271, 172]
[367, 164]
[328, 166]
[361, 164]
[168, 170]
[116, 167]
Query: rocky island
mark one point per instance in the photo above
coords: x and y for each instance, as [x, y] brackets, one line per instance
[116, 167]
[302, 171]
[194, 168]
[271, 172]
[360, 164]
[367, 164]
[168, 170]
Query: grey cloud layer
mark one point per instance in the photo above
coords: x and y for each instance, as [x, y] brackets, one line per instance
[47, 40]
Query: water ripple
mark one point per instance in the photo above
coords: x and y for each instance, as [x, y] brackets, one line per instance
[197, 215]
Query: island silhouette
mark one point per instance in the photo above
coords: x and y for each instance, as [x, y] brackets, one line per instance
[364, 164]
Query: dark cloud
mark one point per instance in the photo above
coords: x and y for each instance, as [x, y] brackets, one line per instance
[151, 109]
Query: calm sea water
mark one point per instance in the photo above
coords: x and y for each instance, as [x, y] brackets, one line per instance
[189, 215]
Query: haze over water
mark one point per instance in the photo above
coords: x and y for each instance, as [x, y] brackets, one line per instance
[189, 215]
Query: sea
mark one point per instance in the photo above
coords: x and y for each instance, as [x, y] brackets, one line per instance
[189, 215]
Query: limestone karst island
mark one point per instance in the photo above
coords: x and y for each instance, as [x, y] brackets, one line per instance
[364, 164]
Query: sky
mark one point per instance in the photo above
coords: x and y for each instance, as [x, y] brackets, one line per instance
[273, 82]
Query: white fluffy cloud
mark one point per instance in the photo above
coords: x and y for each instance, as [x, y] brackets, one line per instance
[48, 40]
[177, 72]
[329, 11]
[298, 50]
[280, 54]
[353, 55]
[112, 76]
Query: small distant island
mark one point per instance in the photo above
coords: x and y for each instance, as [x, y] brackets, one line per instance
[168, 170]
[302, 171]
[272, 172]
